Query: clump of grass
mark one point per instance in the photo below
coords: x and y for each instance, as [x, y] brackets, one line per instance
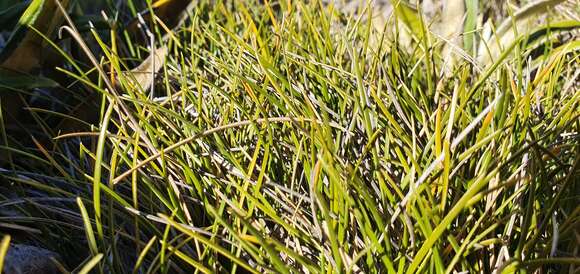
[290, 137]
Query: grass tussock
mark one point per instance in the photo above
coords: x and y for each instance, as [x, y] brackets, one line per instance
[291, 136]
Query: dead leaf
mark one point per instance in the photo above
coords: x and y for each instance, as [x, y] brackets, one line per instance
[143, 76]
[23, 51]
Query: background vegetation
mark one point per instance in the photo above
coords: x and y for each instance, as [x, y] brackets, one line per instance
[292, 136]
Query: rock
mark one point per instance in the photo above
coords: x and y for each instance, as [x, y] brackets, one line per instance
[26, 259]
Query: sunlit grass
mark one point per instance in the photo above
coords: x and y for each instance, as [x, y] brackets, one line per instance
[290, 137]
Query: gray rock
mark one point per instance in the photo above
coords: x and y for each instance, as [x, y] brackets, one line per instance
[26, 259]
